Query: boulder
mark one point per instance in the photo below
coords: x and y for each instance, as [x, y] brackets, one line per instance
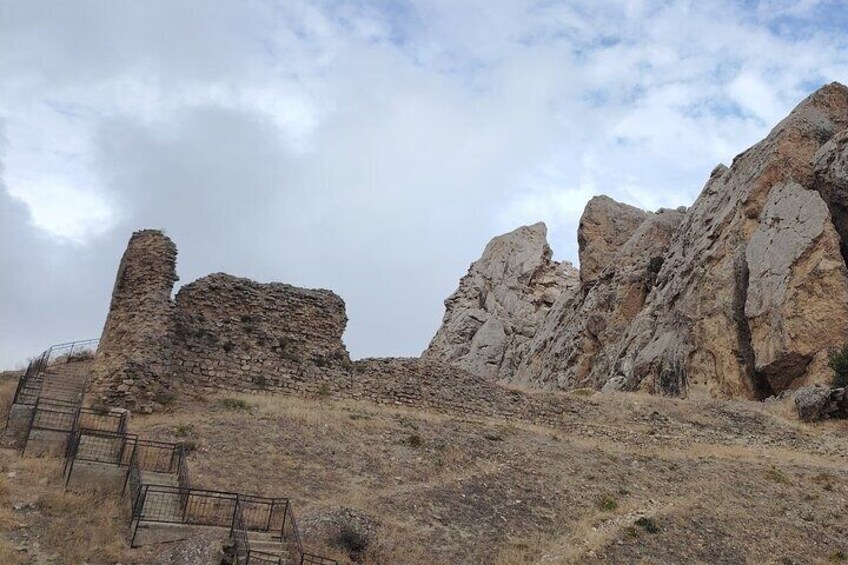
[818, 402]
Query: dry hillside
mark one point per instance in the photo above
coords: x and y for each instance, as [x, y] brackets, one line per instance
[628, 478]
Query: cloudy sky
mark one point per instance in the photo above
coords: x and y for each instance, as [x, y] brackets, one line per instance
[370, 147]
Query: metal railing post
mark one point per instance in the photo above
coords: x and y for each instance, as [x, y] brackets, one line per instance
[233, 521]
[129, 467]
[29, 428]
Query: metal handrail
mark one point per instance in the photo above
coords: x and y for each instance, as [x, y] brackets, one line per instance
[69, 346]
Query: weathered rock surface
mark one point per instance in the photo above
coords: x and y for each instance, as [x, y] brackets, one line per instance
[579, 341]
[494, 313]
[798, 290]
[604, 227]
[220, 332]
[819, 402]
[699, 318]
[741, 295]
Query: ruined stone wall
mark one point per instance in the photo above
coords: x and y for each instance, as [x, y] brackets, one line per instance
[411, 382]
[136, 345]
[233, 332]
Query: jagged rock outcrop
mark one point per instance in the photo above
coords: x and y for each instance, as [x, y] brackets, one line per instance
[604, 227]
[500, 303]
[709, 318]
[579, 341]
[741, 295]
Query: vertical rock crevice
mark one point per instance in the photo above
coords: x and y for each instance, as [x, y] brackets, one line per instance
[759, 382]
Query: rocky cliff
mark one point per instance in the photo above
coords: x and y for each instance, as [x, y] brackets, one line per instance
[741, 295]
[491, 318]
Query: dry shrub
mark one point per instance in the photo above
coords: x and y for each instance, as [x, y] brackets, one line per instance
[7, 392]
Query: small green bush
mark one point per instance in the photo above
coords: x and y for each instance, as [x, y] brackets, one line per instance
[183, 430]
[234, 404]
[607, 503]
[352, 539]
[838, 361]
[323, 390]
[414, 440]
[648, 524]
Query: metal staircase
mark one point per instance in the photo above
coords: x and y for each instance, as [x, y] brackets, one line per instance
[99, 453]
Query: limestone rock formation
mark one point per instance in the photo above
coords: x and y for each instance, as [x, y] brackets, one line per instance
[604, 227]
[741, 295]
[797, 291]
[709, 317]
[579, 341]
[494, 313]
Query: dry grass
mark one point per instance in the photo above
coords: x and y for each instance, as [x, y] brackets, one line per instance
[86, 526]
[624, 479]
[55, 526]
[697, 474]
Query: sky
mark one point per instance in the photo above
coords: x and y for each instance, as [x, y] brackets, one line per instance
[368, 147]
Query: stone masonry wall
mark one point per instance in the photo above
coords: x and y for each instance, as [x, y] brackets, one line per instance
[221, 330]
[411, 382]
[136, 345]
[234, 332]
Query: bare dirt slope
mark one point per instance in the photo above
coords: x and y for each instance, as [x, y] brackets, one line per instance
[631, 479]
